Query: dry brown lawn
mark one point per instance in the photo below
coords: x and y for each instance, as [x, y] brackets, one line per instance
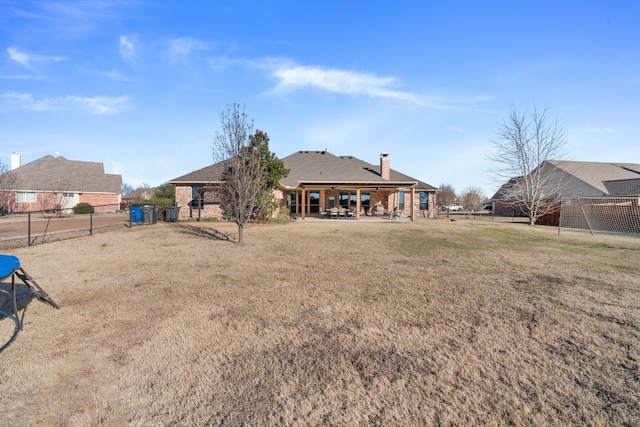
[328, 322]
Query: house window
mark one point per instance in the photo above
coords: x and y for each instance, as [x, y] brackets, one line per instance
[344, 199]
[195, 194]
[424, 201]
[331, 202]
[349, 199]
[314, 202]
[365, 201]
[25, 197]
[401, 201]
[293, 201]
[68, 194]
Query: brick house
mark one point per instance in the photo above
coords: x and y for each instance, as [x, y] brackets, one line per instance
[55, 183]
[317, 182]
[573, 178]
[137, 196]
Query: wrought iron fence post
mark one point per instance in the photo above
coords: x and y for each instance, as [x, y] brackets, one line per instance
[29, 229]
[91, 222]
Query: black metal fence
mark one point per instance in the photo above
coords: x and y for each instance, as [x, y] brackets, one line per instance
[31, 228]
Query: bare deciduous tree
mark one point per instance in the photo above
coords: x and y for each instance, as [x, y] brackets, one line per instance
[126, 189]
[472, 198]
[243, 172]
[522, 146]
[446, 195]
[7, 184]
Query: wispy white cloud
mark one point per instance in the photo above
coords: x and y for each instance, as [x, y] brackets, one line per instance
[115, 75]
[182, 47]
[292, 77]
[72, 15]
[339, 81]
[22, 77]
[98, 105]
[111, 74]
[222, 62]
[27, 59]
[128, 47]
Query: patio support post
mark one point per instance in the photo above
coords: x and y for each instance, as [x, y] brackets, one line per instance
[358, 203]
[304, 203]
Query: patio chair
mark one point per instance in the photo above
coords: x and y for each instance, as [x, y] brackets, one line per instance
[10, 267]
[342, 212]
[395, 214]
[334, 212]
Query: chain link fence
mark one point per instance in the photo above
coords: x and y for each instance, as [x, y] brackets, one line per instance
[32, 228]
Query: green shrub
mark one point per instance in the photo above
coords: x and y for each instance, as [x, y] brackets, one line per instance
[163, 201]
[83, 208]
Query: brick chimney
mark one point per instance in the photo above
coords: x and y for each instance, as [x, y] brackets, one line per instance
[385, 169]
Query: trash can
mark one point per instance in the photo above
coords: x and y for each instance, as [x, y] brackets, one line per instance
[171, 213]
[135, 213]
[149, 214]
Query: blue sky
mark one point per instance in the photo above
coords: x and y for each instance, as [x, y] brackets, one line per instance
[140, 85]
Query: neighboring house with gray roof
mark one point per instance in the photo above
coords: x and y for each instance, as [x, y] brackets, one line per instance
[319, 181]
[574, 178]
[138, 195]
[623, 187]
[55, 183]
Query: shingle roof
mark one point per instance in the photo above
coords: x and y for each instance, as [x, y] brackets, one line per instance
[584, 178]
[140, 193]
[593, 175]
[316, 167]
[324, 167]
[206, 175]
[59, 174]
[623, 187]
[504, 189]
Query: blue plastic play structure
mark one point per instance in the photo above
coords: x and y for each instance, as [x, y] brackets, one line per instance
[10, 267]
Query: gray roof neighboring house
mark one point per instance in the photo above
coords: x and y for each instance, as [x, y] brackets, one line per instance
[59, 174]
[322, 167]
[588, 178]
[573, 178]
[207, 175]
[140, 194]
[623, 187]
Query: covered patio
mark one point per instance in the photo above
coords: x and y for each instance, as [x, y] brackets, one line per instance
[355, 201]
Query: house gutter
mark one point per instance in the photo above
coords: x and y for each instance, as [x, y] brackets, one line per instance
[367, 184]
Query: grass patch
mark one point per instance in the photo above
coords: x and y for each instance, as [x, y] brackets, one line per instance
[309, 323]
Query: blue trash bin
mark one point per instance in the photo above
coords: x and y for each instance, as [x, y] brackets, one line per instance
[135, 213]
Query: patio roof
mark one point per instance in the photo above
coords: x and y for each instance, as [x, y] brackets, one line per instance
[323, 169]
